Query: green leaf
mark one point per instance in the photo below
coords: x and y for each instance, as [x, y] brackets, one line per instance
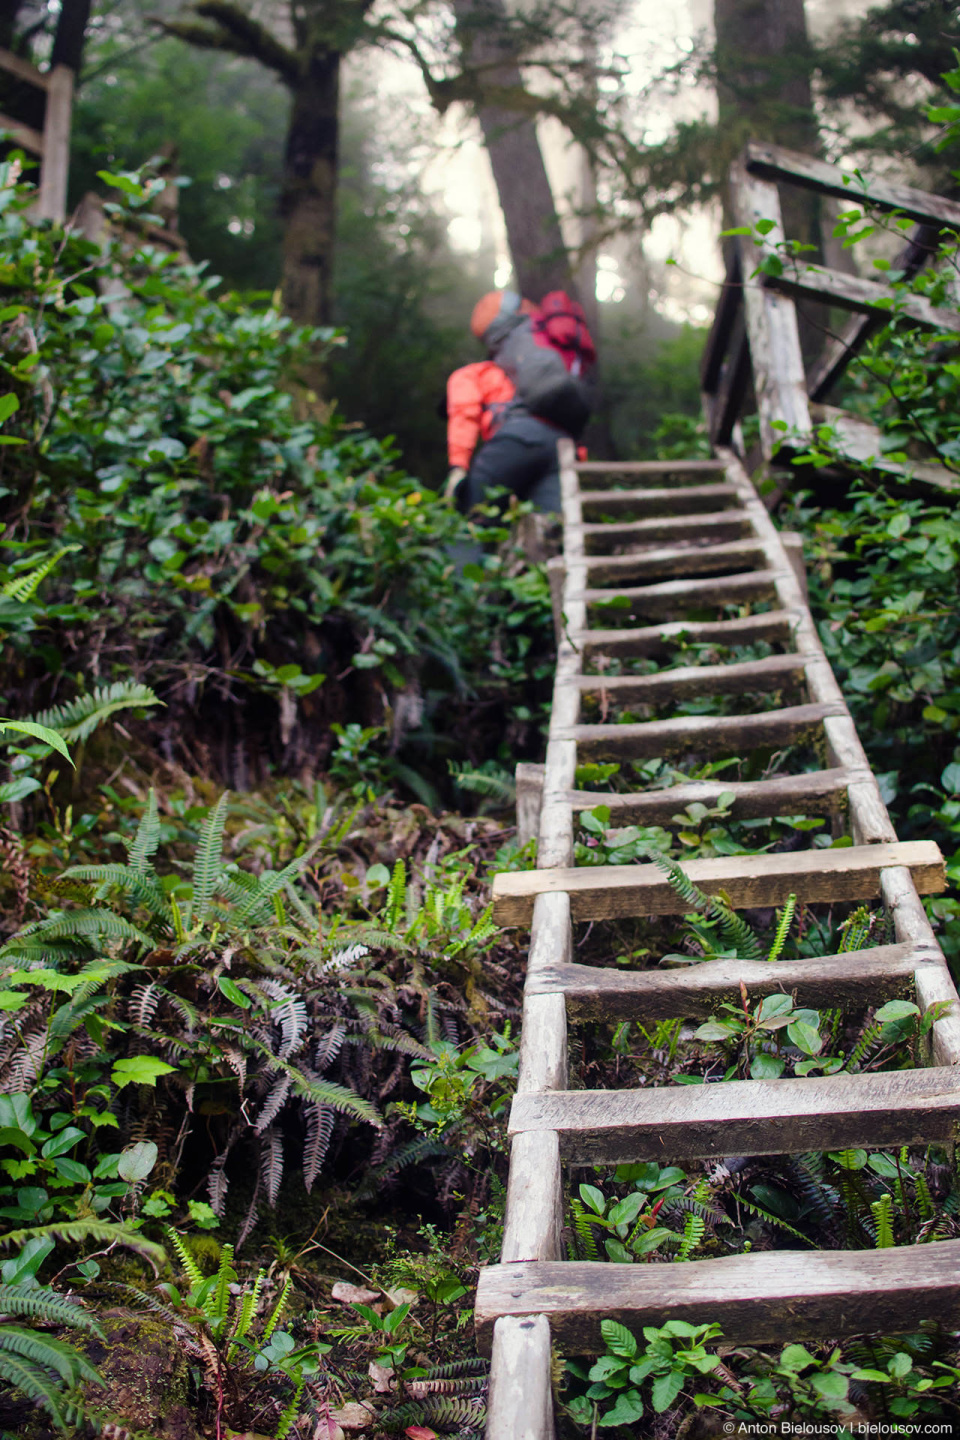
[618, 1338]
[136, 1161]
[593, 1197]
[139, 1070]
[897, 1010]
[38, 732]
[666, 1388]
[830, 1384]
[232, 991]
[806, 1037]
[60, 1144]
[8, 405]
[629, 1407]
[796, 1358]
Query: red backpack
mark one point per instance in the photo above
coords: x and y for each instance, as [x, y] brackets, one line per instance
[560, 324]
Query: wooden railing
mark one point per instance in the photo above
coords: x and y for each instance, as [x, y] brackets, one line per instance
[755, 337]
[668, 538]
[53, 144]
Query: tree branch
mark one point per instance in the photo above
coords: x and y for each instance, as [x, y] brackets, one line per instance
[236, 32]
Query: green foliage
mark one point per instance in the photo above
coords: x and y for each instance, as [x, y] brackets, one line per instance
[210, 513]
[673, 1355]
[45, 1369]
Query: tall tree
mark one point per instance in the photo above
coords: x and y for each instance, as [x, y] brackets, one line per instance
[764, 68]
[537, 247]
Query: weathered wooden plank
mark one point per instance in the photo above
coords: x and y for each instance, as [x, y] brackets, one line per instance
[654, 640]
[863, 978]
[747, 1117]
[934, 984]
[599, 892]
[757, 1299]
[520, 1403]
[597, 469]
[676, 560]
[529, 782]
[861, 443]
[670, 596]
[856, 292]
[739, 677]
[821, 792]
[715, 525]
[15, 65]
[533, 1217]
[52, 200]
[705, 734]
[778, 373]
[776, 163]
[23, 135]
[724, 408]
[729, 306]
[657, 501]
[841, 349]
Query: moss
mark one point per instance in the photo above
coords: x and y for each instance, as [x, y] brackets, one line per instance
[146, 1376]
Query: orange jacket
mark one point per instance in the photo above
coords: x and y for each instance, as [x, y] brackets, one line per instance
[476, 398]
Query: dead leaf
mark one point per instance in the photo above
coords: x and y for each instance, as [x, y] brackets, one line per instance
[402, 1297]
[349, 1294]
[382, 1377]
[420, 1432]
[353, 1416]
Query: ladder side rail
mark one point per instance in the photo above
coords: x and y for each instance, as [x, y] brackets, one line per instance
[521, 1401]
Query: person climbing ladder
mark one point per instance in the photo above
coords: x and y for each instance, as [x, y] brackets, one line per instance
[532, 390]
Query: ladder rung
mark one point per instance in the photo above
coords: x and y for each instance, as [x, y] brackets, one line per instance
[687, 680]
[595, 469]
[671, 595]
[679, 501]
[654, 639]
[601, 892]
[822, 792]
[757, 1299]
[731, 523]
[707, 734]
[862, 977]
[676, 560]
[746, 1117]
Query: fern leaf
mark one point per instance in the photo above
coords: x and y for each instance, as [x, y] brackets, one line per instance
[90, 923]
[883, 1215]
[271, 1163]
[693, 1231]
[319, 1122]
[190, 1267]
[784, 921]
[78, 719]
[208, 861]
[40, 1304]
[289, 1416]
[147, 838]
[43, 1350]
[322, 1092]
[289, 1012]
[278, 1310]
[35, 1383]
[144, 888]
[774, 1220]
[71, 1232]
[274, 1103]
[23, 587]
[396, 895]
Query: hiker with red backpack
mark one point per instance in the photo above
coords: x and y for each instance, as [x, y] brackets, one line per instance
[531, 391]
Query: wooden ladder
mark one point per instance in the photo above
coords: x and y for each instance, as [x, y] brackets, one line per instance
[696, 534]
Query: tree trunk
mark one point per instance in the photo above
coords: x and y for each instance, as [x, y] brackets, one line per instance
[308, 196]
[537, 249]
[71, 33]
[764, 63]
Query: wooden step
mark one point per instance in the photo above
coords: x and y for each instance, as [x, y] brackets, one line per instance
[705, 734]
[601, 892]
[719, 525]
[592, 469]
[822, 792]
[661, 501]
[758, 1299]
[654, 640]
[673, 595]
[863, 977]
[746, 1117]
[692, 559]
[737, 678]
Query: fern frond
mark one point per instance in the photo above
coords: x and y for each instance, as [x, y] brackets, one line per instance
[71, 1232]
[142, 887]
[43, 1350]
[190, 1267]
[41, 1304]
[883, 1216]
[775, 1220]
[856, 930]
[93, 923]
[396, 895]
[36, 1383]
[271, 1163]
[319, 1122]
[147, 838]
[322, 1092]
[278, 1309]
[694, 1228]
[784, 921]
[24, 586]
[78, 719]
[736, 932]
[208, 861]
[586, 1239]
[274, 1103]
[289, 1416]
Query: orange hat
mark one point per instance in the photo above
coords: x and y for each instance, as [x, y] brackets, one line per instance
[494, 304]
